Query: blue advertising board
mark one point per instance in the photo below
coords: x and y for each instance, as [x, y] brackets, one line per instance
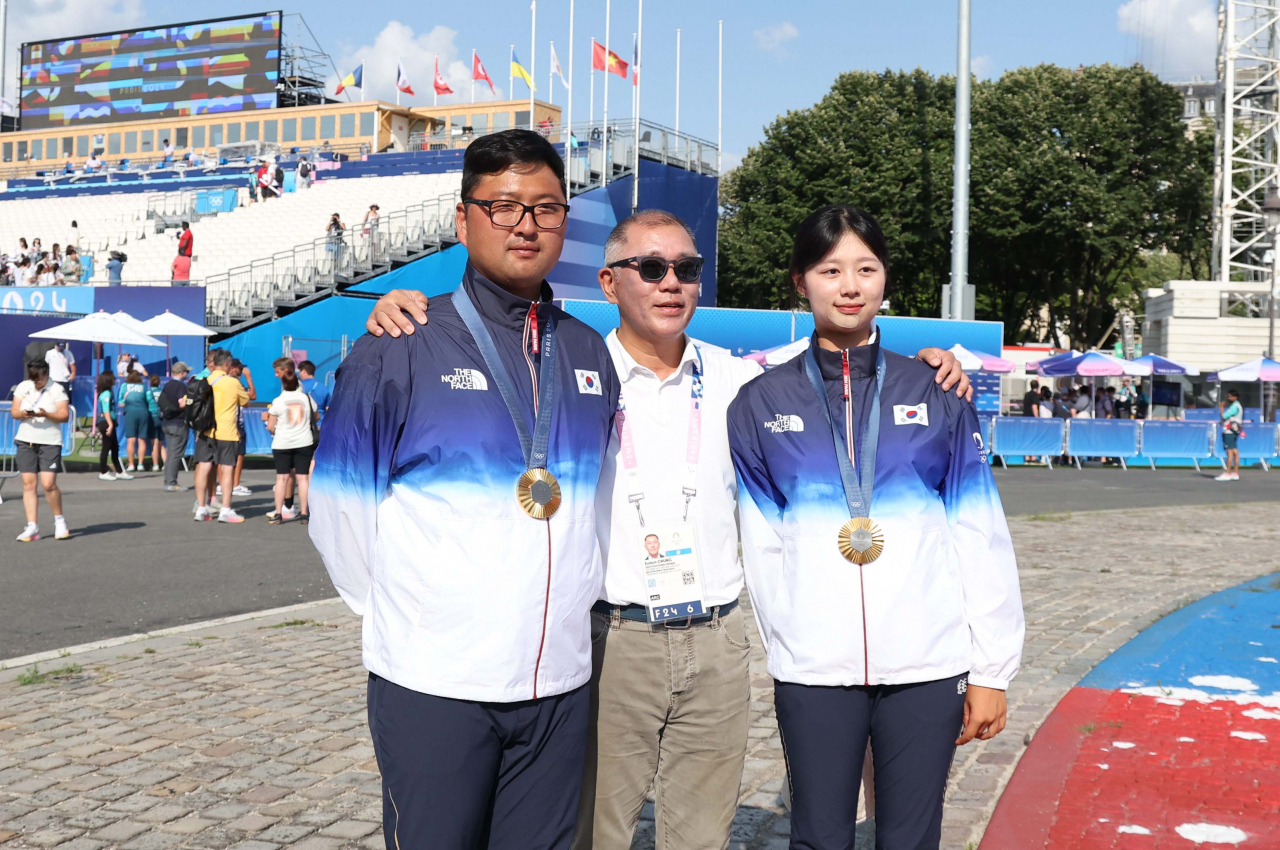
[47, 299]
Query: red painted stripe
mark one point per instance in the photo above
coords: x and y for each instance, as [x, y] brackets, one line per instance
[1029, 803]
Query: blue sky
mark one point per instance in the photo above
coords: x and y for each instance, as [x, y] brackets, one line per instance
[778, 55]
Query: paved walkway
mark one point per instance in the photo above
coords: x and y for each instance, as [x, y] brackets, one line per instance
[252, 735]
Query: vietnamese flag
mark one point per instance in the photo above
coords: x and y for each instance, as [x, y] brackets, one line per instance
[612, 64]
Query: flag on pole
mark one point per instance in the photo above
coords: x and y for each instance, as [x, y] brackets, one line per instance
[441, 86]
[555, 67]
[612, 64]
[479, 73]
[402, 79]
[353, 80]
[635, 60]
[518, 70]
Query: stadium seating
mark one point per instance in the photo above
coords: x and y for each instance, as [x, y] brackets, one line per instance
[104, 221]
[257, 231]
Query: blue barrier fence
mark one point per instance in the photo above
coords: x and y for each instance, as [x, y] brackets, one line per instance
[1126, 439]
[9, 427]
[257, 437]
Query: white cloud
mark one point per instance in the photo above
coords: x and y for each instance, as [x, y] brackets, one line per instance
[773, 39]
[980, 66]
[1176, 38]
[398, 42]
[46, 20]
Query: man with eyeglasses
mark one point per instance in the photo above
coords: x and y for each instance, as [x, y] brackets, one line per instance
[454, 501]
[670, 685]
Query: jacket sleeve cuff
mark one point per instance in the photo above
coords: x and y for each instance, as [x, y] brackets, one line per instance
[989, 682]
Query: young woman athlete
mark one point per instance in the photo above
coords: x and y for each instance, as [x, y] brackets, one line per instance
[877, 556]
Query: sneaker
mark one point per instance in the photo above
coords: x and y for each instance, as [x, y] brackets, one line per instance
[125, 476]
[30, 534]
[129, 468]
[106, 476]
[218, 490]
[289, 513]
[1235, 476]
[1226, 476]
[229, 515]
[60, 530]
[215, 504]
[241, 490]
[274, 520]
[272, 514]
[202, 515]
[172, 488]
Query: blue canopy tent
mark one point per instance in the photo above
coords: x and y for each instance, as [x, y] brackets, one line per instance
[1163, 366]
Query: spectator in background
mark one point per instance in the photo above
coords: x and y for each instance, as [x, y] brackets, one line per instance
[241, 373]
[1102, 405]
[172, 401]
[41, 406]
[277, 178]
[1125, 398]
[303, 179]
[155, 435]
[181, 270]
[217, 447]
[1081, 407]
[27, 272]
[168, 151]
[137, 420]
[283, 367]
[289, 420]
[1232, 427]
[62, 366]
[208, 365]
[72, 270]
[253, 186]
[115, 267]
[266, 181]
[70, 168]
[186, 240]
[1111, 402]
[49, 274]
[55, 254]
[1044, 407]
[1142, 400]
[371, 223]
[317, 389]
[106, 426]
[92, 165]
[37, 250]
[1031, 400]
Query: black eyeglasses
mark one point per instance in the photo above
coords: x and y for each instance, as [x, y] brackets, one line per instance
[511, 213]
[654, 269]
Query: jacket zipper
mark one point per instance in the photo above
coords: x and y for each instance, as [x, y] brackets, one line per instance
[531, 340]
[849, 439]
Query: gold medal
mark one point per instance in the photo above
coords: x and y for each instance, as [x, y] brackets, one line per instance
[861, 540]
[538, 493]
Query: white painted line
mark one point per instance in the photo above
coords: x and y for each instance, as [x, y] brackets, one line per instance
[54, 654]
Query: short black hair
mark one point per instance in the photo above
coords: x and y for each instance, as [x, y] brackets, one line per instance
[1233, 394]
[819, 234]
[307, 366]
[37, 370]
[496, 152]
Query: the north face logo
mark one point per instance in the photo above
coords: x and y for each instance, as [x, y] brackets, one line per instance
[783, 422]
[466, 379]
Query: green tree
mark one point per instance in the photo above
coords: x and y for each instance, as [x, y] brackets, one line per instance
[1077, 178]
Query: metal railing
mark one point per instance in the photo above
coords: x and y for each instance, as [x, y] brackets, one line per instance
[288, 276]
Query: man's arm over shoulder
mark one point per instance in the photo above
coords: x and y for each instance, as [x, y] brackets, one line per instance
[354, 461]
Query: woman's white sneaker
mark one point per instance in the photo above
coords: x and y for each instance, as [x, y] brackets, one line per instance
[106, 476]
[30, 534]
[60, 530]
[229, 515]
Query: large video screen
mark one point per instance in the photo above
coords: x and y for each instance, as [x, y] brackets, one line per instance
[226, 65]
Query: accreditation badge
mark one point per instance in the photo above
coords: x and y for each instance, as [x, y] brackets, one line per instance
[668, 550]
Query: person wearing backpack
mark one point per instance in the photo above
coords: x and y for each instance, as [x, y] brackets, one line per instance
[304, 175]
[173, 426]
[219, 400]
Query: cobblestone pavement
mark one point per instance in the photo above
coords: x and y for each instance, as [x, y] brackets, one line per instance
[252, 735]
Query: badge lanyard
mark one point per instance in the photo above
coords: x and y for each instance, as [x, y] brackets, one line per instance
[693, 445]
[533, 447]
[857, 483]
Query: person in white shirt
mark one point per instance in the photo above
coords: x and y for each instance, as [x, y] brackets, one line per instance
[27, 272]
[168, 151]
[41, 406]
[289, 419]
[92, 164]
[62, 365]
[684, 732]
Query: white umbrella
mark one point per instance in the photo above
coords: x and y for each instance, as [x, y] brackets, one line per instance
[129, 321]
[980, 361]
[170, 324]
[98, 327]
[167, 324]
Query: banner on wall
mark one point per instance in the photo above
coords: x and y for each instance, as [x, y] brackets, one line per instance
[47, 299]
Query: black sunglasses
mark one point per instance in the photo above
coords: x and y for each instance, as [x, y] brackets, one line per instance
[654, 269]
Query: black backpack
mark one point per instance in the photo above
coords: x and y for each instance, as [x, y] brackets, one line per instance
[199, 410]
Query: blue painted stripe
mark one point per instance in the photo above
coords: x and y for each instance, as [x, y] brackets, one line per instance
[1221, 635]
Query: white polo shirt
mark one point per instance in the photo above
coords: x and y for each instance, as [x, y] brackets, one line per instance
[658, 412]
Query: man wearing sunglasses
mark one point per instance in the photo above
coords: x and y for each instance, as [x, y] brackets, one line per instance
[454, 497]
[670, 687]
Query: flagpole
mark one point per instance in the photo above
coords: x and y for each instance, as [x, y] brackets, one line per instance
[604, 180]
[511, 78]
[533, 57]
[568, 121]
[592, 121]
[677, 85]
[551, 92]
[473, 75]
[635, 173]
[568, 117]
[435, 95]
[398, 60]
[633, 70]
[719, 100]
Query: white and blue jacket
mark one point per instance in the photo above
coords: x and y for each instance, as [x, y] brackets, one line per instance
[414, 507]
[942, 599]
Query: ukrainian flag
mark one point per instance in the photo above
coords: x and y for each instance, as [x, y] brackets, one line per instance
[355, 80]
[517, 70]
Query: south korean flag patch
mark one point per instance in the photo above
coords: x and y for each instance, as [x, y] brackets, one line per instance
[588, 382]
[907, 414]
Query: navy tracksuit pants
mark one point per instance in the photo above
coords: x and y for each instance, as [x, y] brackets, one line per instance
[912, 728]
[464, 775]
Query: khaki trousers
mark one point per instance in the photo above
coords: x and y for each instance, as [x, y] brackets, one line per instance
[670, 709]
